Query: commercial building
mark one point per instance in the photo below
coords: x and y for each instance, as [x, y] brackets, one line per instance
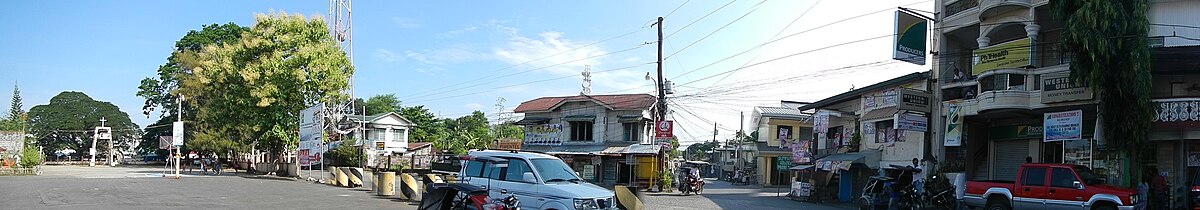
[781, 130]
[606, 138]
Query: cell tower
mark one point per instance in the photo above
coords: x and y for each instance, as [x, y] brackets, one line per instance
[500, 115]
[339, 22]
[587, 80]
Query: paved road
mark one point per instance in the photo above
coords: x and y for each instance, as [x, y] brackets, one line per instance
[79, 187]
[721, 195]
[75, 187]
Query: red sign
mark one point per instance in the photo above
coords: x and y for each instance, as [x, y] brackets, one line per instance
[663, 129]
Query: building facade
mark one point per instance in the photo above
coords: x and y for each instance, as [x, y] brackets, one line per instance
[780, 131]
[1006, 98]
[606, 138]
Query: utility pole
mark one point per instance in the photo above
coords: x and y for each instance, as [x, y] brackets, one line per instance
[178, 118]
[662, 92]
[737, 154]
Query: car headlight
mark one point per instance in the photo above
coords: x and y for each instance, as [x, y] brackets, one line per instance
[586, 204]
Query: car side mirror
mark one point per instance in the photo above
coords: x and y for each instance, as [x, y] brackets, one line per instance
[1077, 185]
[528, 177]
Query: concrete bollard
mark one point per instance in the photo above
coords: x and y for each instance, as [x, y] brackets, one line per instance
[340, 175]
[385, 185]
[356, 176]
[408, 187]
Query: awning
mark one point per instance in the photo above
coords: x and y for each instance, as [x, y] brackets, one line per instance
[579, 118]
[642, 149]
[800, 167]
[631, 119]
[533, 121]
[843, 161]
[877, 114]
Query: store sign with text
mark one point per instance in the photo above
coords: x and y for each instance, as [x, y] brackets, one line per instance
[1060, 88]
[912, 122]
[1008, 55]
[1063, 126]
[914, 100]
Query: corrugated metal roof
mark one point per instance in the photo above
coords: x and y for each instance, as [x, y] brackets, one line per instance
[781, 112]
[616, 102]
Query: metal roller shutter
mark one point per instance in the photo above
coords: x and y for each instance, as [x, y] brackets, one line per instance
[1009, 155]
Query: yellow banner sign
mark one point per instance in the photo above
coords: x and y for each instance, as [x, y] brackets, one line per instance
[1013, 54]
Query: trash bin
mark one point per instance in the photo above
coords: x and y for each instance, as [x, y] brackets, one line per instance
[385, 185]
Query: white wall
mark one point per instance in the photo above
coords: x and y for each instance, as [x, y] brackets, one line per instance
[1185, 12]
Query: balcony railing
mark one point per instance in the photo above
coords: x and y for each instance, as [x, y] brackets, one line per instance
[1177, 110]
[959, 6]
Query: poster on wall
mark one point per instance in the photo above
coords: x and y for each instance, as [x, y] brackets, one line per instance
[800, 152]
[1078, 152]
[544, 134]
[953, 126]
[821, 121]
[784, 135]
[1063, 126]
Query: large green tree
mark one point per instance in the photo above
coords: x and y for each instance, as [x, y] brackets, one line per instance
[250, 92]
[464, 133]
[158, 92]
[426, 126]
[380, 104]
[68, 121]
[1107, 42]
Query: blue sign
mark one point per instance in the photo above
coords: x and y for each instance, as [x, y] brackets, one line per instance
[1063, 126]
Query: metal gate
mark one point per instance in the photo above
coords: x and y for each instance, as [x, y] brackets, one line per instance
[1009, 155]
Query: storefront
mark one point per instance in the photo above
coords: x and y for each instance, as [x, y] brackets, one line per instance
[1069, 141]
[843, 175]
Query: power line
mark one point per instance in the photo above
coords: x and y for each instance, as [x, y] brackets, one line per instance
[789, 25]
[718, 30]
[676, 9]
[701, 18]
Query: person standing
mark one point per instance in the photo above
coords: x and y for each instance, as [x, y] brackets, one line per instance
[1158, 190]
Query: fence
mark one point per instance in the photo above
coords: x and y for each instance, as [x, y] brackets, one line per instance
[36, 170]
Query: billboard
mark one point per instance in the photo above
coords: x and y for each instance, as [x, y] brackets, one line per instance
[311, 132]
[544, 134]
[954, 125]
[1063, 126]
[909, 45]
[1012, 54]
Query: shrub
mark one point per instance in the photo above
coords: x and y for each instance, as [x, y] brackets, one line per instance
[30, 157]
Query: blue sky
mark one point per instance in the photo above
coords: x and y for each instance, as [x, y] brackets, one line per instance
[450, 55]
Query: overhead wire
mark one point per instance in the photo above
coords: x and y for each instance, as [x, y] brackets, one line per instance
[789, 25]
[701, 18]
[526, 83]
[715, 31]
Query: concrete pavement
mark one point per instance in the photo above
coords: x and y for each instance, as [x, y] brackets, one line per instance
[722, 195]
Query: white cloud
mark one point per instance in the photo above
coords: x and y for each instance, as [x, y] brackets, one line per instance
[452, 54]
[406, 22]
[386, 55]
[548, 50]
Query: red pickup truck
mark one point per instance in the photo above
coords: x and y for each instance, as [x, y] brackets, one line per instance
[1050, 186]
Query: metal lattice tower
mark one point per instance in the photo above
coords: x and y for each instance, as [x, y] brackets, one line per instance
[587, 80]
[339, 22]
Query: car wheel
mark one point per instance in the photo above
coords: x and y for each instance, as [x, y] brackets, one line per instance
[998, 206]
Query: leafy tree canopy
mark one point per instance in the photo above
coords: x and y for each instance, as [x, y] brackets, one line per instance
[251, 90]
[73, 115]
[380, 104]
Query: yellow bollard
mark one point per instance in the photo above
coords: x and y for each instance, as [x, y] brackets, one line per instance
[340, 175]
[627, 199]
[408, 187]
[386, 184]
[355, 175]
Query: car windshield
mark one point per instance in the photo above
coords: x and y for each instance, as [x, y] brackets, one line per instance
[553, 170]
[1086, 174]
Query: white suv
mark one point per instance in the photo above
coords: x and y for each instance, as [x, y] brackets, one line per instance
[538, 180]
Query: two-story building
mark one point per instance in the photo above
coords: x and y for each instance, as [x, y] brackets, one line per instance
[1175, 131]
[866, 129]
[606, 138]
[781, 130]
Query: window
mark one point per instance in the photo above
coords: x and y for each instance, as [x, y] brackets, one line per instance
[1002, 82]
[1034, 176]
[380, 134]
[631, 131]
[1063, 178]
[493, 172]
[516, 170]
[473, 169]
[398, 135]
[553, 170]
[581, 130]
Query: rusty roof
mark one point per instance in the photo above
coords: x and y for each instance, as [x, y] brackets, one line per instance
[615, 102]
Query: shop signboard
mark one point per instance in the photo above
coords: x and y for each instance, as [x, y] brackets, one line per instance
[311, 132]
[1012, 54]
[1059, 88]
[910, 38]
[1063, 126]
[783, 163]
[543, 134]
[954, 126]
[912, 122]
[914, 100]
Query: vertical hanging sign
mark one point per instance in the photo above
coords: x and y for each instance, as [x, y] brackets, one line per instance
[954, 125]
[910, 38]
